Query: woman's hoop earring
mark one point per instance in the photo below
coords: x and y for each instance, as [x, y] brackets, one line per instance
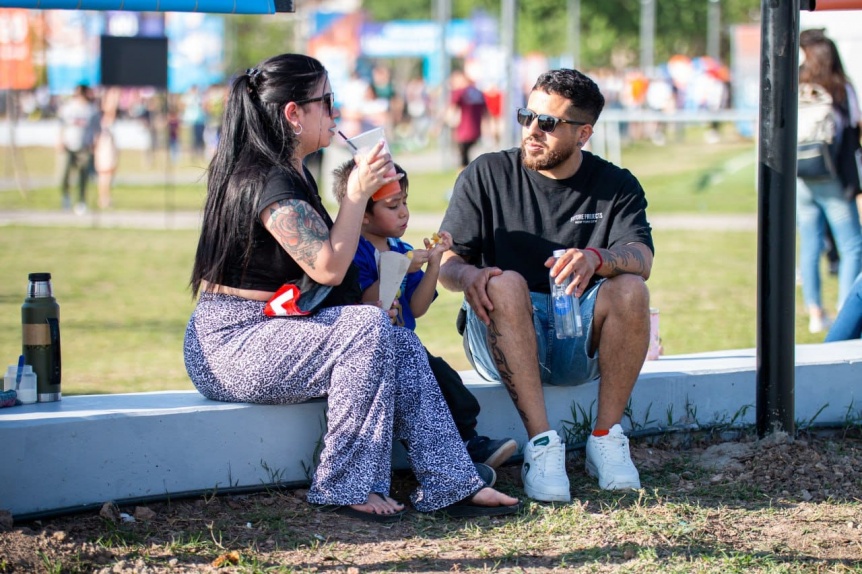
[296, 133]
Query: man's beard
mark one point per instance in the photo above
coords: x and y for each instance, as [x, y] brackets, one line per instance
[549, 160]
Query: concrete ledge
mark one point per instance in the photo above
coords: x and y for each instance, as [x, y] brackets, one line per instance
[84, 450]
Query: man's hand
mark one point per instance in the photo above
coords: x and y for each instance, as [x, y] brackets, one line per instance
[475, 284]
[582, 264]
[577, 263]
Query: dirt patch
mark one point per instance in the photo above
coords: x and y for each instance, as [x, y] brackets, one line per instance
[779, 500]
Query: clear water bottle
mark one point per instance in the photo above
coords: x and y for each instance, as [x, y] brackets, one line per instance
[567, 310]
[40, 322]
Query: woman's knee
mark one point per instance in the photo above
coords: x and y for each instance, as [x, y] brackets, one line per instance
[407, 342]
[363, 321]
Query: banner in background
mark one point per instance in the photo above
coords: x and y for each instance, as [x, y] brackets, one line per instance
[72, 49]
[334, 40]
[195, 51]
[16, 61]
[745, 71]
[134, 24]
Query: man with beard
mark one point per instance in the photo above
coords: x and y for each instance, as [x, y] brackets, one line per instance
[509, 211]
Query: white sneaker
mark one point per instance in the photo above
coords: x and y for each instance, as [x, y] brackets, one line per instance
[544, 471]
[609, 460]
[819, 324]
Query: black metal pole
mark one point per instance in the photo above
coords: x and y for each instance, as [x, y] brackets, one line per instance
[776, 249]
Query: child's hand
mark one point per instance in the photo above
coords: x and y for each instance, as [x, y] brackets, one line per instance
[439, 244]
[418, 258]
[394, 311]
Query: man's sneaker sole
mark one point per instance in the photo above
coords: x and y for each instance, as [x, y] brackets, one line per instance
[593, 471]
[502, 454]
[547, 497]
[540, 496]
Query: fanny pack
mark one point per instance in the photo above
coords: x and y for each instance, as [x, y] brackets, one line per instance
[306, 296]
[290, 301]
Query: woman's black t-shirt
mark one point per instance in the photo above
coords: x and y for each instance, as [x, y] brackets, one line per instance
[269, 266]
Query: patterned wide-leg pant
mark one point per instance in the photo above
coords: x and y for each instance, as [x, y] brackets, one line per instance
[375, 376]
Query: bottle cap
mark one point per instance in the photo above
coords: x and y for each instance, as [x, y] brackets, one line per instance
[13, 370]
[559, 252]
[39, 277]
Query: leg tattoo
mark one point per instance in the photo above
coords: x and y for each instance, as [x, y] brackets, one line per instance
[503, 367]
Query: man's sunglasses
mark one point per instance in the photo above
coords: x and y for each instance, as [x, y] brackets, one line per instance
[328, 99]
[547, 123]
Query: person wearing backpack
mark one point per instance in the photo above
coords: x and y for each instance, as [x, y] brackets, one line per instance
[828, 179]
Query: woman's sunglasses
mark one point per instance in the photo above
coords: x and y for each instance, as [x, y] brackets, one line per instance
[546, 123]
[328, 99]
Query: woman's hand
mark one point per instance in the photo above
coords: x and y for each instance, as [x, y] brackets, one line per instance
[370, 173]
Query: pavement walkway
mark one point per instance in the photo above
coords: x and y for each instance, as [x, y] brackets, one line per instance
[413, 162]
[191, 220]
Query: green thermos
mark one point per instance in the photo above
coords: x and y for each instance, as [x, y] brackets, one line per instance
[40, 322]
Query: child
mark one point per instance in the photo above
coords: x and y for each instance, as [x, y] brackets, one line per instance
[384, 223]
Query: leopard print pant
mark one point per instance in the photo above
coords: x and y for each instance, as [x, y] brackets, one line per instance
[375, 377]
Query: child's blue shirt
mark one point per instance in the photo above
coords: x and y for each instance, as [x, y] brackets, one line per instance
[366, 259]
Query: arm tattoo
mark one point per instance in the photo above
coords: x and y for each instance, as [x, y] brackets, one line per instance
[298, 229]
[624, 259]
[503, 367]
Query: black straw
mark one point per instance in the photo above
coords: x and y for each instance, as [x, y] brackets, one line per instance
[350, 143]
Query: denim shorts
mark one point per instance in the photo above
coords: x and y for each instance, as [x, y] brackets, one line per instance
[561, 361]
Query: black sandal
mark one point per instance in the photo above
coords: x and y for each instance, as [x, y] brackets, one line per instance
[362, 515]
[467, 509]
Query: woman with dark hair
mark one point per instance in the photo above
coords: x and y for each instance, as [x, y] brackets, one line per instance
[829, 200]
[276, 321]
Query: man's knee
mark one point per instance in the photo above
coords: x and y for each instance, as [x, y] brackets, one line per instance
[508, 284]
[509, 287]
[625, 293]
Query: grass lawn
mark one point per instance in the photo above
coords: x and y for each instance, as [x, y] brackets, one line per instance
[125, 302]
[680, 177]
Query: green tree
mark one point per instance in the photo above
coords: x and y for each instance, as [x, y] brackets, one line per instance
[609, 28]
[250, 39]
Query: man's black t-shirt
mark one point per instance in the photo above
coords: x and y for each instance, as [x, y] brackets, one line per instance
[504, 215]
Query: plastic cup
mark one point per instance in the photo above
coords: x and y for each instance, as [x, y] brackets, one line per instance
[26, 389]
[362, 144]
[654, 351]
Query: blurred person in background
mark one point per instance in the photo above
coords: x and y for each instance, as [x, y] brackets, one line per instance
[79, 125]
[848, 323]
[195, 118]
[417, 120]
[105, 153]
[494, 103]
[213, 108]
[467, 111]
[829, 200]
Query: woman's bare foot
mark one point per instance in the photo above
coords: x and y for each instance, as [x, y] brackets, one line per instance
[490, 497]
[378, 504]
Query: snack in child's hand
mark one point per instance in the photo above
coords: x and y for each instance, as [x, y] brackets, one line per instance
[409, 255]
[435, 239]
